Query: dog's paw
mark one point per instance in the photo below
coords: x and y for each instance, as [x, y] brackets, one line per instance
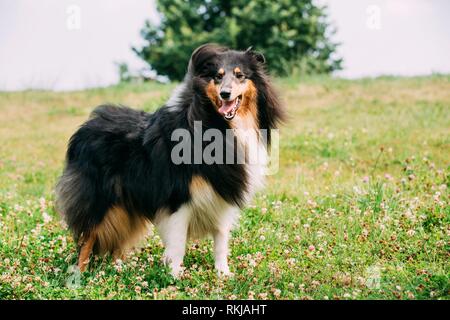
[225, 274]
[223, 271]
[176, 271]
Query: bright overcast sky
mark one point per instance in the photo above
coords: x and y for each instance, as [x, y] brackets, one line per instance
[44, 45]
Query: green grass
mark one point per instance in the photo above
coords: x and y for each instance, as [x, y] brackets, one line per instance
[358, 210]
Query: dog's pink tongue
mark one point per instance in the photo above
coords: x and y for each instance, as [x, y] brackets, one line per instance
[226, 107]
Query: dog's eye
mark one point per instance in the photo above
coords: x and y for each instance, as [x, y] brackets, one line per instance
[218, 76]
[240, 76]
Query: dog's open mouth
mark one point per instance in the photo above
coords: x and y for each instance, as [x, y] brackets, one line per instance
[228, 108]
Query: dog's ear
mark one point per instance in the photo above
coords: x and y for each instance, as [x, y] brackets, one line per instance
[258, 56]
[202, 56]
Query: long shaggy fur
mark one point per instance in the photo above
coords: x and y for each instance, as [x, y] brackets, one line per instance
[120, 159]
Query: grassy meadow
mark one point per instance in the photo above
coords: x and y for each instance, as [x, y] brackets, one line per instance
[358, 210]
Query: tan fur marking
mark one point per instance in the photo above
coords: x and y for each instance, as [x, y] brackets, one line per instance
[237, 70]
[211, 92]
[198, 183]
[207, 209]
[120, 232]
[221, 71]
[85, 251]
[248, 110]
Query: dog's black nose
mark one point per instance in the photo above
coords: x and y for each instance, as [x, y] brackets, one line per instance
[225, 95]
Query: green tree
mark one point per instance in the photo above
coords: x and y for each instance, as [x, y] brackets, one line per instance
[294, 35]
[124, 72]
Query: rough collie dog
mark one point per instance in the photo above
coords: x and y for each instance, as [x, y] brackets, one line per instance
[120, 174]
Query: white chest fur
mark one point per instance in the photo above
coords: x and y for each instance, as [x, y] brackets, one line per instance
[209, 213]
[256, 157]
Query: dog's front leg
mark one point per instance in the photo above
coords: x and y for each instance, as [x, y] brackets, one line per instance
[173, 230]
[221, 252]
[221, 237]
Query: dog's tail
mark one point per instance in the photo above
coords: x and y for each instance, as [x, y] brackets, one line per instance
[76, 201]
[95, 226]
[77, 204]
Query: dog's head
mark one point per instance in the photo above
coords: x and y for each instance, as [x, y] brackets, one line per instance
[229, 77]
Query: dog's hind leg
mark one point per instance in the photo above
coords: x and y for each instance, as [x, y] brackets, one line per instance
[87, 245]
[119, 254]
[119, 232]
